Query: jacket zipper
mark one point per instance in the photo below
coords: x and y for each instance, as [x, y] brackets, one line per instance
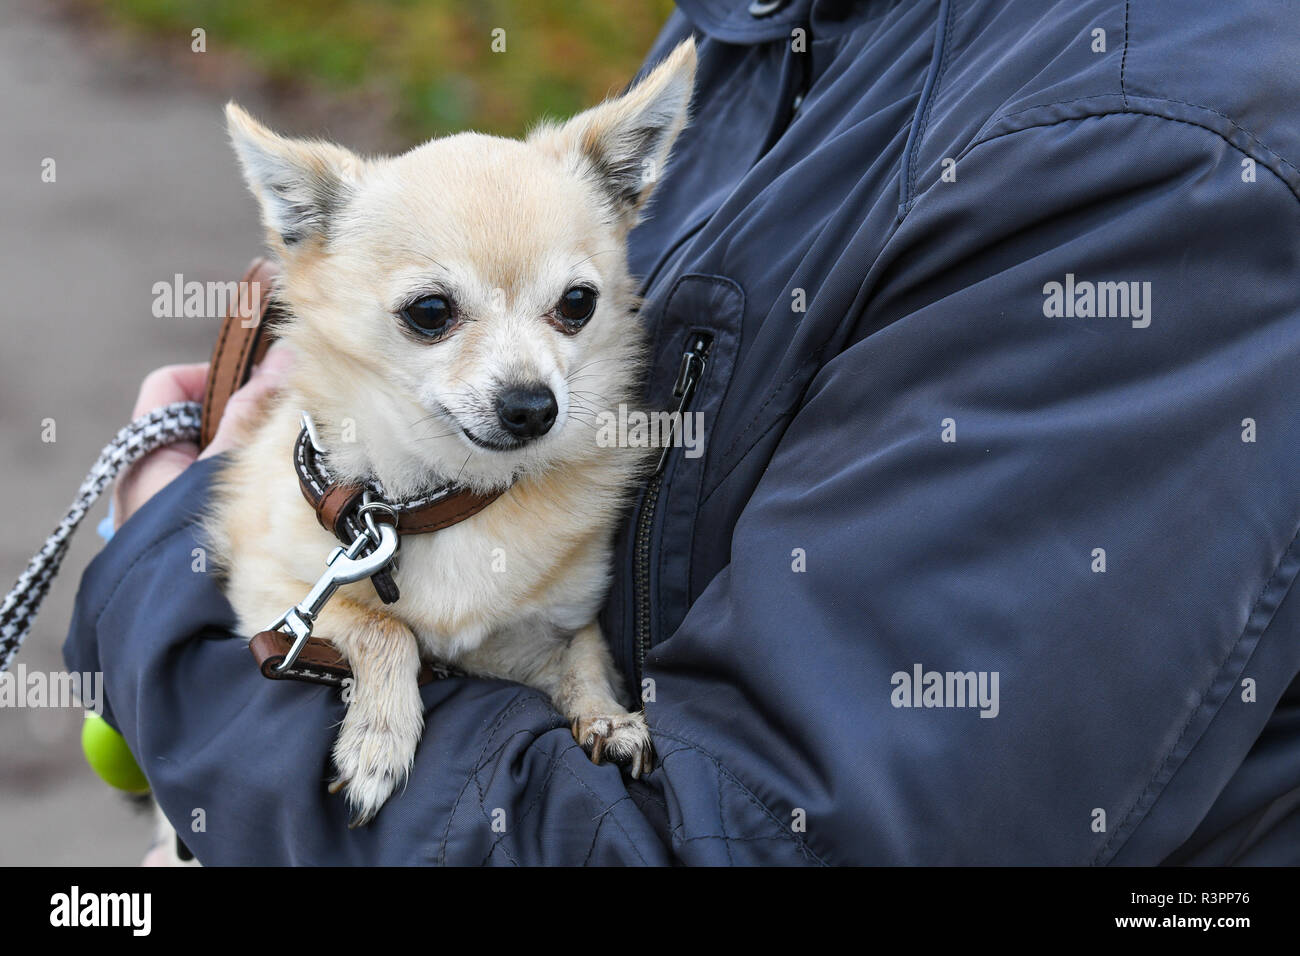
[688, 377]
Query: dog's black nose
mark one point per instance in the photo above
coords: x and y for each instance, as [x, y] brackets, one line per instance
[527, 411]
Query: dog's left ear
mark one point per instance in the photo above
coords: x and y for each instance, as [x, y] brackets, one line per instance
[300, 184]
[623, 144]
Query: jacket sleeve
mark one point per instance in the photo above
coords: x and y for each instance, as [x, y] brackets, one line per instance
[1088, 522]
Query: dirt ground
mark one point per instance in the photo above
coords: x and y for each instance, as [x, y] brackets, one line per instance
[145, 187]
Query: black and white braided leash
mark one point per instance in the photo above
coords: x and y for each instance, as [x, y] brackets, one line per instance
[178, 422]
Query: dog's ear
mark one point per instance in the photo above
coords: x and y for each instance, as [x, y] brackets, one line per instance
[623, 144]
[300, 184]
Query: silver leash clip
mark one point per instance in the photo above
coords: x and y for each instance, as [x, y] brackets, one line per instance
[313, 436]
[344, 566]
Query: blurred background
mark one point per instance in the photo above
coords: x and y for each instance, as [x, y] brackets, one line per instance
[117, 95]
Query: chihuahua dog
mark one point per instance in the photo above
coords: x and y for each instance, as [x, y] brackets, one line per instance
[461, 313]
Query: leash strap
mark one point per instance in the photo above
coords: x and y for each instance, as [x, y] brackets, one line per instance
[168, 425]
[246, 334]
[369, 527]
[243, 340]
[320, 663]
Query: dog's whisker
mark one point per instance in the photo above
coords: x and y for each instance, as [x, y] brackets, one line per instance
[602, 252]
[432, 416]
[592, 396]
[462, 467]
[422, 255]
[588, 365]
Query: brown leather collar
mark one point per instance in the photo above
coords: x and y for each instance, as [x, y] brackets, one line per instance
[336, 503]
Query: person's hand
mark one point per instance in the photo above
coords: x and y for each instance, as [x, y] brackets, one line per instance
[186, 383]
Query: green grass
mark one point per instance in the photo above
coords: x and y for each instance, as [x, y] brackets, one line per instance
[433, 57]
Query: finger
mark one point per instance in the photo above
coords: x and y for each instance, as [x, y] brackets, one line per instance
[149, 476]
[245, 404]
[171, 383]
[174, 383]
[157, 856]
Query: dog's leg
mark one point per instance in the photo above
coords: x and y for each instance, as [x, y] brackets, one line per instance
[385, 716]
[585, 694]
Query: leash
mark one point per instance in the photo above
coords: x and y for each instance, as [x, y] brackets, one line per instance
[367, 525]
[240, 346]
[168, 425]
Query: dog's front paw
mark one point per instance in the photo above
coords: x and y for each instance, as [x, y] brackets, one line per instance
[373, 757]
[623, 739]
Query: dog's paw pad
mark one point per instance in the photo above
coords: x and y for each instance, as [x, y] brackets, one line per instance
[622, 739]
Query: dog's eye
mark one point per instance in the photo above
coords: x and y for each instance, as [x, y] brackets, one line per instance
[432, 316]
[576, 306]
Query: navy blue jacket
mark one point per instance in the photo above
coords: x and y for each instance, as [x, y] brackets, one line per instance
[1002, 311]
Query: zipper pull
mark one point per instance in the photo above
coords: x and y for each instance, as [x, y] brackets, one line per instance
[688, 376]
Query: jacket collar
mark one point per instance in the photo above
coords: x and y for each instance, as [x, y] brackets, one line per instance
[732, 21]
